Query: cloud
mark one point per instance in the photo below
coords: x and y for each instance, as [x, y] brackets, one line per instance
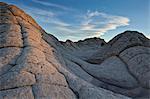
[92, 22]
[44, 16]
[78, 26]
[38, 13]
[60, 23]
[52, 5]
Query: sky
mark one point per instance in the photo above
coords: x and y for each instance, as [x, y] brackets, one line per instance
[80, 19]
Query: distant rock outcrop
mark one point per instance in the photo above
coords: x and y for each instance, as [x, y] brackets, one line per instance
[36, 65]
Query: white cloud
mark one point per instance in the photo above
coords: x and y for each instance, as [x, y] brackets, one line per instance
[90, 24]
[60, 23]
[38, 13]
[52, 4]
[44, 16]
[93, 23]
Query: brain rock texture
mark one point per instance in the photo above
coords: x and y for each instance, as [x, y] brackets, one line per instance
[36, 65]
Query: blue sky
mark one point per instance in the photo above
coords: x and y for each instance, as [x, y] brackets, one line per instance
[80, 19]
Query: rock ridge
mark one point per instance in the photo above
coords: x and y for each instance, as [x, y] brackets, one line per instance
[36, 65]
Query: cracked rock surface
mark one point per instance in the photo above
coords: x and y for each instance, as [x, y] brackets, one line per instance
[36, 65]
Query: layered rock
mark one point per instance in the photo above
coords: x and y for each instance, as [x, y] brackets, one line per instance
[30, 75]
[84, 48]
[36, 65]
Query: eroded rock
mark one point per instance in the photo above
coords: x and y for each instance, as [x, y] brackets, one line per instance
[35, 65]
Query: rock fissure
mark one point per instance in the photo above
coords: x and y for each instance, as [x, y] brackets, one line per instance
[129, 70]
[21, 53]
[116, 54]
[77, 94]
[130, 46]
[37, 27]
[13, 46]
[99, 79]
[15, 88]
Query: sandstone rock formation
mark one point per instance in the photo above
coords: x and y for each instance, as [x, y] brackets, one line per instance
[36, 65]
